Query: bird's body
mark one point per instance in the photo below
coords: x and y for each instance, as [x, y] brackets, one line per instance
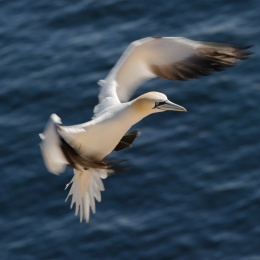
[85, 146]
[98, 137]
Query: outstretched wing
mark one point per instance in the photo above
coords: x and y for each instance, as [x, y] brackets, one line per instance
[173, 58]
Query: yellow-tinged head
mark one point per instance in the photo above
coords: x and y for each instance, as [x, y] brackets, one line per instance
[153, 102]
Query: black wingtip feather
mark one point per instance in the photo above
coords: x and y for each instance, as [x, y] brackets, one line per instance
[213, 57]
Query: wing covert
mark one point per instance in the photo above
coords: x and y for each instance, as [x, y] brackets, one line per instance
[173, 58]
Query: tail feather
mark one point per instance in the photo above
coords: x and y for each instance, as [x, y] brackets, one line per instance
[86, 207]
[77, 205]
[86, 187]
[92, 202]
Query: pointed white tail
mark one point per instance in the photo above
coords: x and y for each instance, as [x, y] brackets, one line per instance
[86, 185]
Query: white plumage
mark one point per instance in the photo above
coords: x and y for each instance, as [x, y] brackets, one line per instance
[84, 146]
[86, 187]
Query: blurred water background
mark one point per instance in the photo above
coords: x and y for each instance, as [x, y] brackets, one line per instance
[194, 189]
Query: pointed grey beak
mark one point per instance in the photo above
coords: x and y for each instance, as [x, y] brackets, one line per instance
[168, 105]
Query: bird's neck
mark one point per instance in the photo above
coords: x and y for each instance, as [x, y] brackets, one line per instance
[133, 116]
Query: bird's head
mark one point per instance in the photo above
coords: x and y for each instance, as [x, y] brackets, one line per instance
[153, 102]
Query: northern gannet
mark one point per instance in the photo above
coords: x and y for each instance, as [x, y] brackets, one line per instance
[84, 147]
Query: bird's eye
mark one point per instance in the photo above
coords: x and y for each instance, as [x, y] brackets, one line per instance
[159, 103]
[156, 104]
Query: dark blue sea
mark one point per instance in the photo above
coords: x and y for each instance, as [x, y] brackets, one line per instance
[194, 189]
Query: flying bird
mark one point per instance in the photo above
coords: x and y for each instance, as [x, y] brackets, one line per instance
[83, 147]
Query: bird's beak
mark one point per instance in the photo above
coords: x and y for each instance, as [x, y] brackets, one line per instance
[168, 105]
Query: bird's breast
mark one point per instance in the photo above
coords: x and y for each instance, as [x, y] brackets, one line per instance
[100, 138]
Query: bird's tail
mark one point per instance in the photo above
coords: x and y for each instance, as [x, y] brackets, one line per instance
[52, 154]
[86, 187]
